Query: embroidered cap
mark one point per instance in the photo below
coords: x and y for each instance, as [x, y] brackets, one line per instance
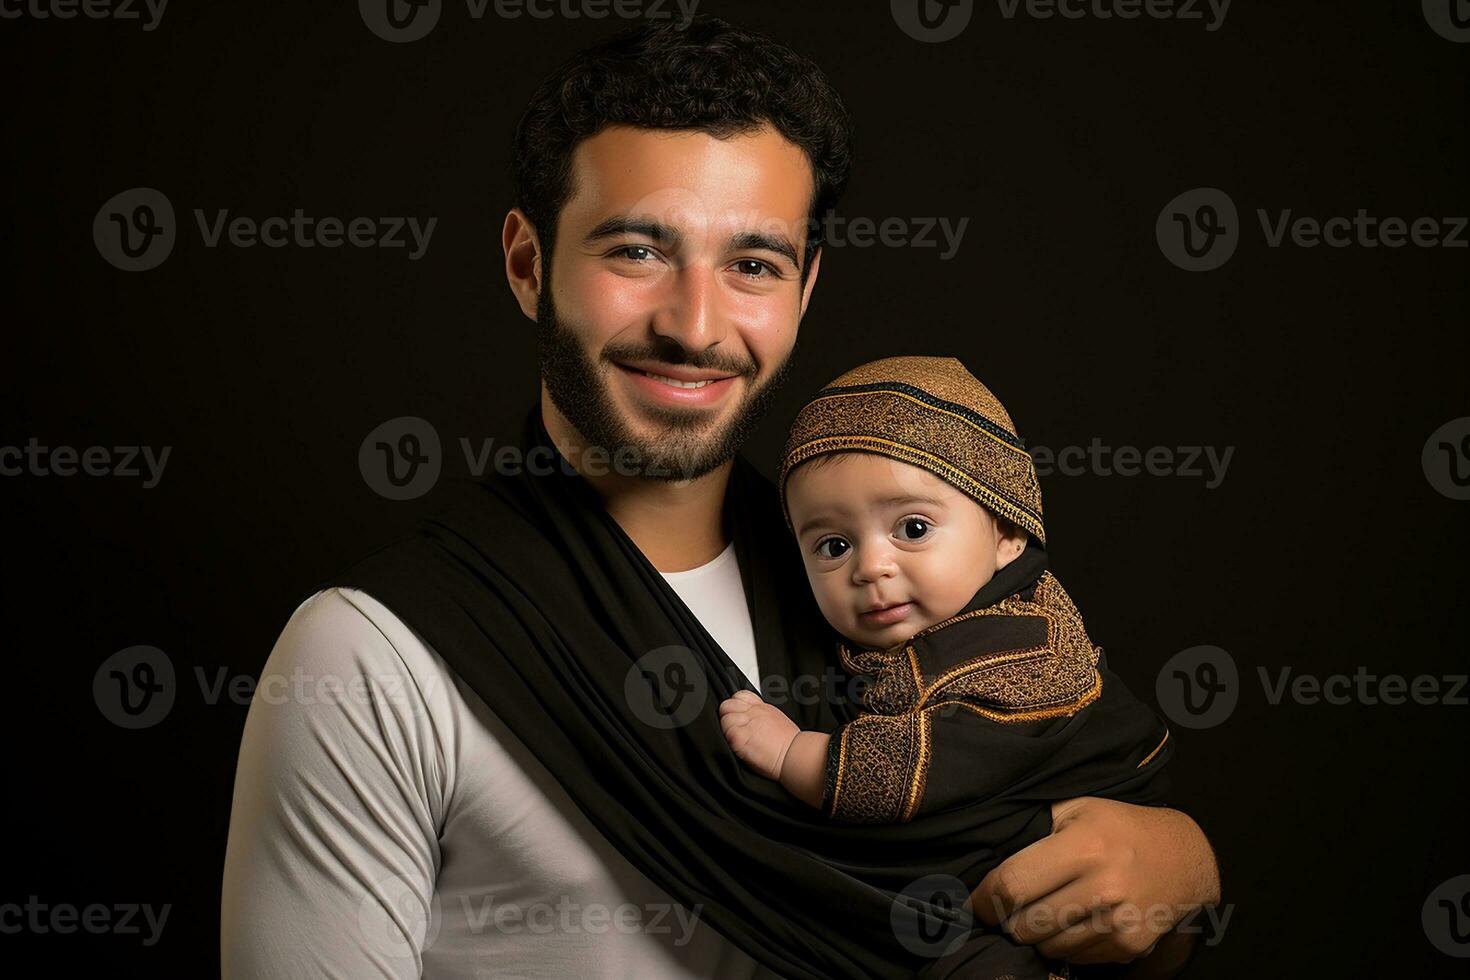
[929, 412]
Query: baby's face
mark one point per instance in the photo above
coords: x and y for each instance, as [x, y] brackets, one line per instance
[875, 532]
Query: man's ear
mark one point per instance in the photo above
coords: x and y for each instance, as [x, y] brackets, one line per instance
[811, 280]
[1009, 543]
[523, 260]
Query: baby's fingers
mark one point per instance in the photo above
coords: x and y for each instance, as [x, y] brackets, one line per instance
[733, 706]
[730, 722]
[749, 697]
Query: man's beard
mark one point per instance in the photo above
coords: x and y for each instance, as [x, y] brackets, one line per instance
[688, 444]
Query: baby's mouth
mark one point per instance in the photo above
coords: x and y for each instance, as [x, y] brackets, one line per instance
[885, 616]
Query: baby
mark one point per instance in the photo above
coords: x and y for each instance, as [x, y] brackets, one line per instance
[918, 515]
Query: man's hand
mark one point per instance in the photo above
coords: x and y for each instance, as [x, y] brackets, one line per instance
[1106, 886]
[759, 732]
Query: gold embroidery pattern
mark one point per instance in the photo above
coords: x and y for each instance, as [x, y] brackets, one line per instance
[883, 759]
[929, 412]
[880, 762]
[1157, 749]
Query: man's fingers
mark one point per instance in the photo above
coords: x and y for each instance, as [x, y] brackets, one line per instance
[1079, 944]
[1083, 944]
[1042, 918]
[1033, 872]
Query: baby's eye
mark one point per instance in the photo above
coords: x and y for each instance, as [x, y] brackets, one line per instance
[913, 528]
[838, 544]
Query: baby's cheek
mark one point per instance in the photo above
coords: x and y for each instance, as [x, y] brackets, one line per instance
[830, 602]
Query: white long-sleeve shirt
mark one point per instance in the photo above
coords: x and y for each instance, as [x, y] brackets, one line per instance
[386, 824]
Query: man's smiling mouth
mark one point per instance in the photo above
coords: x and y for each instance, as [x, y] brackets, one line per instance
[677, 385]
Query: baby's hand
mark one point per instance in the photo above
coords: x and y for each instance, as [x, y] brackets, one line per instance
[758, 732]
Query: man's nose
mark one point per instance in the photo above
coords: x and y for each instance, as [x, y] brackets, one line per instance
[690, 314]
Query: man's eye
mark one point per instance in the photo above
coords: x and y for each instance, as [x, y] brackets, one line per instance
[637, 253]
[754, 269]
[913, 528]
[838, 544]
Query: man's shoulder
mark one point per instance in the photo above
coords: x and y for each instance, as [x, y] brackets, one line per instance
[343, 633]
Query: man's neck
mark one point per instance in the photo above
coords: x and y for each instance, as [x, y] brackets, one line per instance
[676, 524]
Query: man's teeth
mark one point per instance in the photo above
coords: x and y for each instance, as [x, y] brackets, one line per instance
[676, 382]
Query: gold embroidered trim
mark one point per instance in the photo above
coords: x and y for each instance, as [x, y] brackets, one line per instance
[884, 755]
[1063, 710]
[921, 767]
[1157, 748]
[924, 405]
[906, 453]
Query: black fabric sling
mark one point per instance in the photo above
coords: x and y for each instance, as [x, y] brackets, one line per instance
[535, 596]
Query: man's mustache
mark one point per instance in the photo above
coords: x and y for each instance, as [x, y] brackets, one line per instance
[675, 355]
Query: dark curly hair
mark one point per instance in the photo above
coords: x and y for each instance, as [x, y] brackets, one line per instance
[709, 76]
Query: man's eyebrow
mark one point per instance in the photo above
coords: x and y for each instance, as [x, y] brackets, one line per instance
[779, 244]
[630, 225]
[894, 501]
[670, 236]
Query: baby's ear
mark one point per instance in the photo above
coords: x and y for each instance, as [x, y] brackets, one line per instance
[1010, 541]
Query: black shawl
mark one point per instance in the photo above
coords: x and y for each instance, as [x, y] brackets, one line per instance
[536, 597]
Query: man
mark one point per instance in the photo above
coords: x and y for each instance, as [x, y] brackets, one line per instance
[475, 803]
